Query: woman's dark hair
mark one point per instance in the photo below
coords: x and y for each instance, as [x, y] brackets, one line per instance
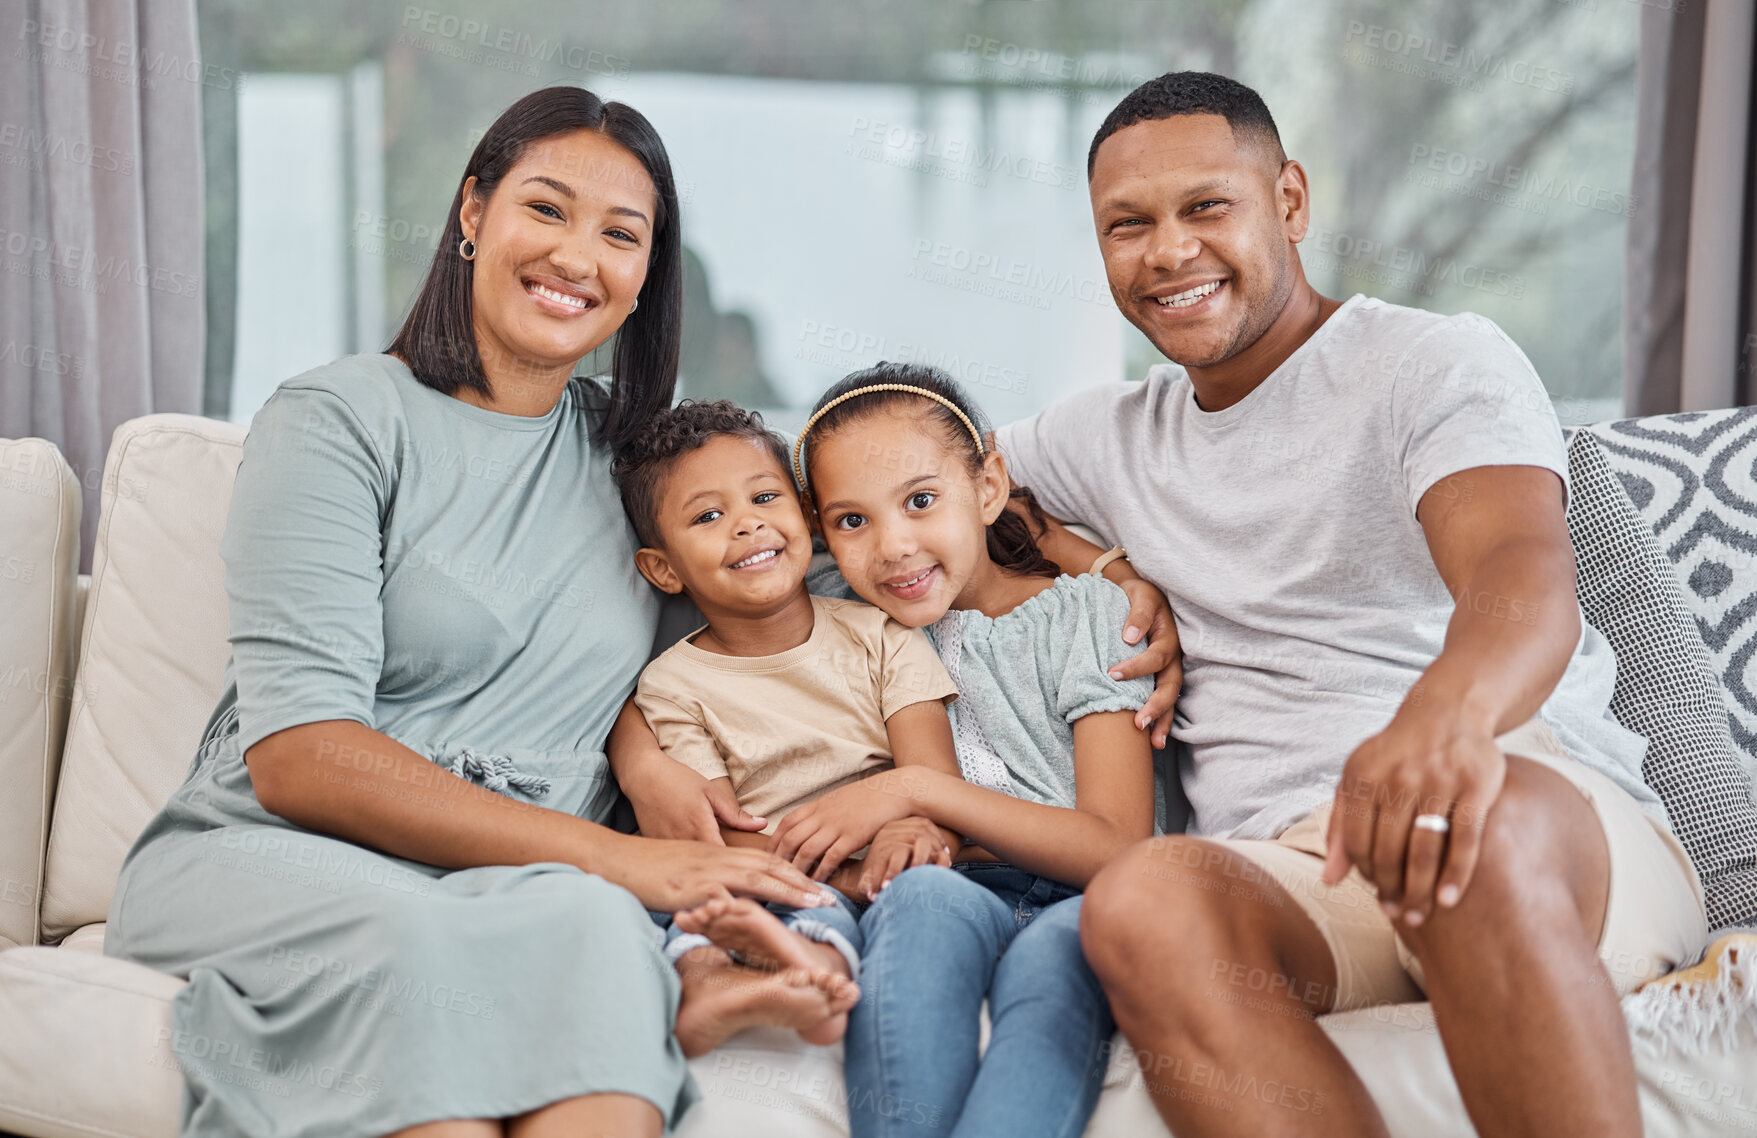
[1010, 542]
[438, 339]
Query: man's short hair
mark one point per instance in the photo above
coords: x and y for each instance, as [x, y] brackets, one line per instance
[1193, 93]
[642, 466]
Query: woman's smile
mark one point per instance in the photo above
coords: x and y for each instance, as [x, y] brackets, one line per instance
[555, 297]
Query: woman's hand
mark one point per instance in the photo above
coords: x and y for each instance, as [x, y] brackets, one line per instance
[672, 801]
[820, 835]
[668, 875]
[898, 846]
[1162, 658]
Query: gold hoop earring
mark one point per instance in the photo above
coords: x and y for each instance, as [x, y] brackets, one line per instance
[467, 249]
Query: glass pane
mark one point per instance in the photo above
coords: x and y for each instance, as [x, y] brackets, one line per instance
[909, 182]
[291, 270]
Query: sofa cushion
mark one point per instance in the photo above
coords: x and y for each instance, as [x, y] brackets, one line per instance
[87, 1048]
[39, 563]
[76, 1021]
[152, 656]
[85, 938]
[1668, 688]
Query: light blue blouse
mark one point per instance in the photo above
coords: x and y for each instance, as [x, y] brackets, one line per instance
[1024, 677]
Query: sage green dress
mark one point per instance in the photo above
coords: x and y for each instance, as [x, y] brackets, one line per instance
[462, 581]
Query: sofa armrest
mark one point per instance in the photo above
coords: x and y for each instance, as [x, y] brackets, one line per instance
[39, 564]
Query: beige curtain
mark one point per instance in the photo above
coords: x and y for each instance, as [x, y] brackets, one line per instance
[102, 312]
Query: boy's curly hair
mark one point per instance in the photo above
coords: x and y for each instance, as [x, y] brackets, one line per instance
[642, 465]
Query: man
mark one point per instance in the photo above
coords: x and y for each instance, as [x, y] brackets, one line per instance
[1403, 773]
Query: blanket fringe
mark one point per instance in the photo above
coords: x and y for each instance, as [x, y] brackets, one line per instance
[1700, 1006]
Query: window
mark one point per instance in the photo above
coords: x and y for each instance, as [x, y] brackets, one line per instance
[908, 182]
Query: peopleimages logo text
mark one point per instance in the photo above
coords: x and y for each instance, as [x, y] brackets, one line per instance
[1416, 266]
[509, 41]
[1521, 179]
[1411, 48]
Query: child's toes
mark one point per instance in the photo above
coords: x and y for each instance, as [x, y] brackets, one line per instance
[844, 994]
[697, 918]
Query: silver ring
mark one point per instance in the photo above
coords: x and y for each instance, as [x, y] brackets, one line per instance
[1435, 822]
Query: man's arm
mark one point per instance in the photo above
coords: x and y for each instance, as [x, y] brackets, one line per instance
[1067, 549]
[1499, 538]
[1148, 610]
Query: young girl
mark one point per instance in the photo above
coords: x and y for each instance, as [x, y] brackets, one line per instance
[1057, 778]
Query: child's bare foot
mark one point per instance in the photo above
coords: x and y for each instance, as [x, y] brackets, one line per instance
[741, 925]
[721, 999]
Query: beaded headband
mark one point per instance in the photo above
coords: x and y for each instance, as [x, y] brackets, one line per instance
[799, 470]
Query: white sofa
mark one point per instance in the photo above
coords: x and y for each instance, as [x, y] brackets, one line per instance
[104, 690]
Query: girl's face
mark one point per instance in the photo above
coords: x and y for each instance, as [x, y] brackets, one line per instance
[902, 512]
[561, 252]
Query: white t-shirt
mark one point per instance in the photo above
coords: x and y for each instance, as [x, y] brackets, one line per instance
[1283, 531]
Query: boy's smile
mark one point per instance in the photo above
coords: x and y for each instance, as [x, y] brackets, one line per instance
[735, 538]
[768, 557]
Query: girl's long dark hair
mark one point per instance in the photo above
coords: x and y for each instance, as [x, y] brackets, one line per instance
[438, 339]
[1011, 544]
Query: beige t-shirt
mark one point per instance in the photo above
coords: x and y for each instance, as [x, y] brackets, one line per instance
[789, 727]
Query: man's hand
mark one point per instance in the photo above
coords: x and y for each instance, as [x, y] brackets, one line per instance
[1436, 759]
[1499, 538]
[1162, 658]
[819, 836]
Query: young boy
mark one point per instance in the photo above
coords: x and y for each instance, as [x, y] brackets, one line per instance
[781, 696]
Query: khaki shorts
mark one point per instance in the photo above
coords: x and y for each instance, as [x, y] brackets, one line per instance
[1653, 923]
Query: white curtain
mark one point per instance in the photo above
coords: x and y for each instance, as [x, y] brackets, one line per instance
[102, 286]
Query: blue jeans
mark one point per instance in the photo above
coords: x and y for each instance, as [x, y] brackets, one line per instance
[836, 925]
[938, 941]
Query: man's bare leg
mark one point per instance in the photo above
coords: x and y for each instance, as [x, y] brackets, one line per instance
[1531, 1023]
[1165, 929]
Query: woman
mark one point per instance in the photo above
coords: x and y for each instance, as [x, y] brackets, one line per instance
[386, 875]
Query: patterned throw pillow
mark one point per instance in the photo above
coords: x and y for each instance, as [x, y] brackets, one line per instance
[1667, 687]
[1692, 481]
